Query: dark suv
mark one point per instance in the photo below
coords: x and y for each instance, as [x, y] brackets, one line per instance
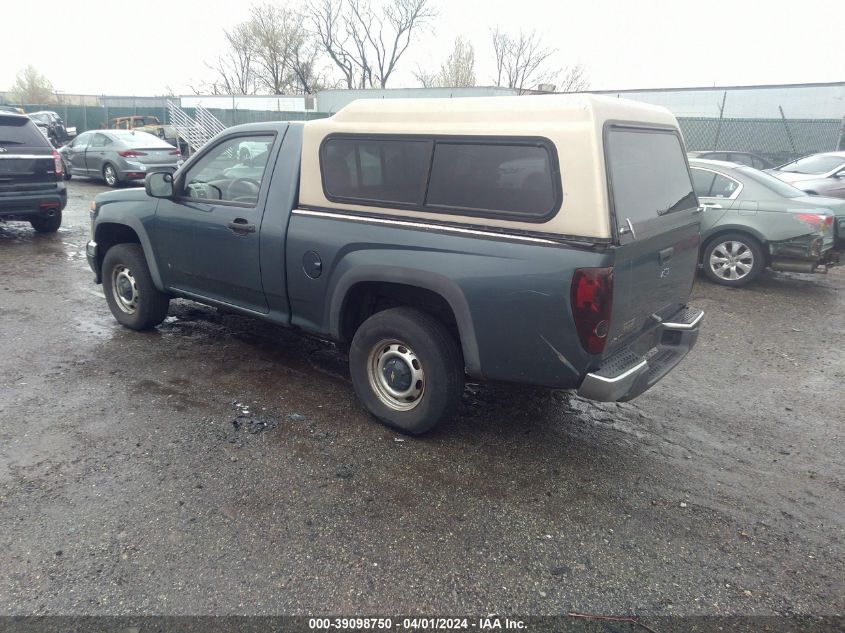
[32, 187]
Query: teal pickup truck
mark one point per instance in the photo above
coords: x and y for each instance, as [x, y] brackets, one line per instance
[546, 240]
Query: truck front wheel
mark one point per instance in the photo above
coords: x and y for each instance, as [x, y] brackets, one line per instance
[407, 369]
[130, 292]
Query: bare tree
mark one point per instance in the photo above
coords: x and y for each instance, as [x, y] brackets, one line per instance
[366, 43]
[235, 71]
[523, 62]
[426, 78]
[273, 30]
[573, 79]
[31, 87]
[458, 71]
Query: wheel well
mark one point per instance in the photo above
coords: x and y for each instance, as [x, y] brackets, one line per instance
[110, 234]
[366, 298]
[719, 234]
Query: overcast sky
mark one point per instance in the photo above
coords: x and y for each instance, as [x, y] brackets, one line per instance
[150, 46]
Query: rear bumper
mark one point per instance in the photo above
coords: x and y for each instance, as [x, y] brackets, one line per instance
[132, 170]
[625, 375]
[29, 205]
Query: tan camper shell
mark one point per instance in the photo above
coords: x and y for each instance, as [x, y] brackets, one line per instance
[569, 126]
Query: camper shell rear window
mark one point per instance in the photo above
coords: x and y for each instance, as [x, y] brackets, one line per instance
[500, 177]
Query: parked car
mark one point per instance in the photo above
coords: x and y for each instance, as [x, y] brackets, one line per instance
[741, 158]
[818, 174]
[118, 156]
[249, 149]
[146, 123]
[753, 220]
[411, 247]
[31, 185]
[52, 124]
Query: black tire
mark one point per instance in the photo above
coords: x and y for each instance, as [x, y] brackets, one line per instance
[108, 170]
[47, 225]
[741, 250]
[137, 303]
[65, 171]
[425, 340]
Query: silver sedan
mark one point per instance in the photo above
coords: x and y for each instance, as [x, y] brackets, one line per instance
[118, 156]
[819, 174]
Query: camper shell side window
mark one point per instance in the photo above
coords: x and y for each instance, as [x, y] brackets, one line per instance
[497, 177]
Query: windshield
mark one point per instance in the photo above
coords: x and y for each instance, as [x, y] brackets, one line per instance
[814, 165]
[771, 183]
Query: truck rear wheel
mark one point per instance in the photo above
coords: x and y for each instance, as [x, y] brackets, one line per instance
[130, 292]
[407, 369]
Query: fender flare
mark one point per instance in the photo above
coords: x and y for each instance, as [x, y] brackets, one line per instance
[433, 282]
[144, 239]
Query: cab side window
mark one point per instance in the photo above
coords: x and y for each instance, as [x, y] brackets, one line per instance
[226, 174]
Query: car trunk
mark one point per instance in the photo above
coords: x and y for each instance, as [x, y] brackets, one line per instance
[157, 156]
[658, 223]
[26, 158]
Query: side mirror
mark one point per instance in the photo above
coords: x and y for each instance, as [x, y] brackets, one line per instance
[159, 184]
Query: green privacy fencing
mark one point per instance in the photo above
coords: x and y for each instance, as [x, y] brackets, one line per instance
[779, 140]
[85, 118]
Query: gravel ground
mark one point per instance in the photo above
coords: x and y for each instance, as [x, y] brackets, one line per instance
[219, 465]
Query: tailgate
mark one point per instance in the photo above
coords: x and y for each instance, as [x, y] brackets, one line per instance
[658, 224]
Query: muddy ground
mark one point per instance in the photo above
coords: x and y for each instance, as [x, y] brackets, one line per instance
[221, 465]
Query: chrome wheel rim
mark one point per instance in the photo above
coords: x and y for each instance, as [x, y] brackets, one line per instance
[124, 289]
[396, 375]
[731, 260]
[111, 177]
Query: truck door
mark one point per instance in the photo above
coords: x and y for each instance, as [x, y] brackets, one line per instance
[207, 235]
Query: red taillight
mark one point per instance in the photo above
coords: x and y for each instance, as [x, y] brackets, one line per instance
[131, 153]
[175, 152]
[57, 164]
[591, 296]
[816, 220]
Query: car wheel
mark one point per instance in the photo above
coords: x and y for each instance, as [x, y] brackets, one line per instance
[407, 369]
[733, 259]
[110, 175]
[130, 292]
[47, 225]
[66, 170]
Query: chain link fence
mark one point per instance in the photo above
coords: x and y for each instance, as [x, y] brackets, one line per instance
[778, 140]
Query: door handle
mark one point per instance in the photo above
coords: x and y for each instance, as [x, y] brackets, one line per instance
[627, 228]
[711, 205]
[241, 226]
[665, 255]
